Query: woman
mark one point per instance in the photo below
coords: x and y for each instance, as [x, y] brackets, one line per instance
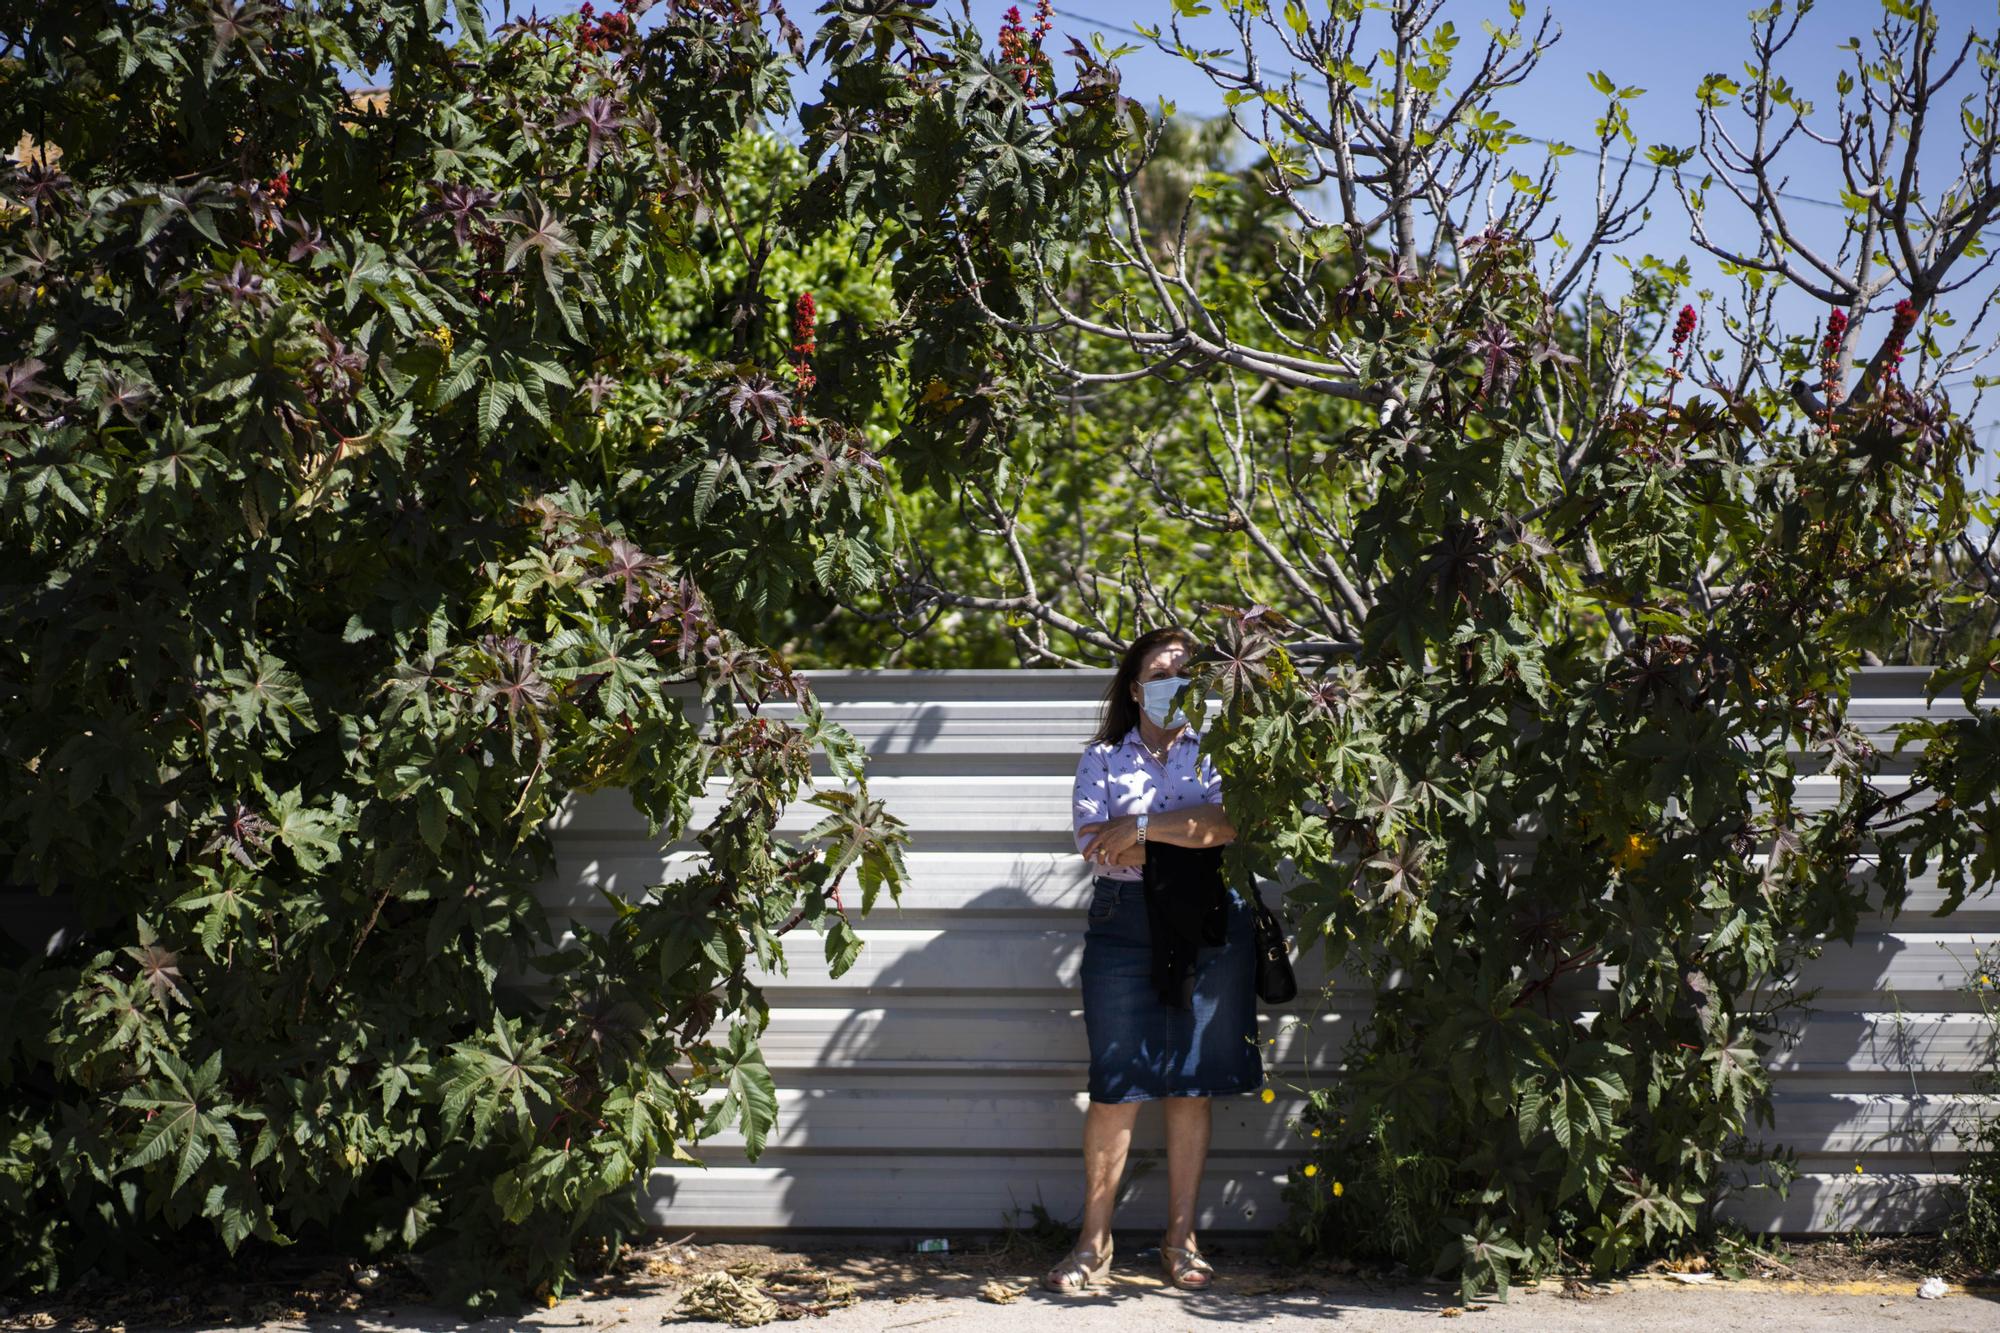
[1142, 780]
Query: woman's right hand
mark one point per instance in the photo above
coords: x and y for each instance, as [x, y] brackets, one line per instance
[1106, 843]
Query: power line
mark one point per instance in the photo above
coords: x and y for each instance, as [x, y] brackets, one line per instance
[1532, 138]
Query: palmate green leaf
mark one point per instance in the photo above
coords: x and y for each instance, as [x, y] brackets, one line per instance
[432, 819]
[1493, 1046]
[226, 907]
[672, 923]
[719, 467]
[1584, 1113]
[530, 398]
[627, 678]
[866, 836]
[843, 945]
[187, 1118]
[401, 1077]
[1736, 1074]
[646, 1113]
[750, 1096]
[844, 755]
[1404, 1089]
[467, 369]
[723, 947]
[239, 1212]
[264, 694]
[495, 1080]
[494, 395]
[1652, 1210]
[419, 1219]
[1530, 1107]
[471, 18]
[528, 1185]
[313, 836]
[1485, 1257]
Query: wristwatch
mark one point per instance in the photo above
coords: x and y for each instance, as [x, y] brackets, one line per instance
[1142, 829]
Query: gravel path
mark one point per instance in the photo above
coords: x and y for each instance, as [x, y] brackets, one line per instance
[988, 1286]
[1139, 1302]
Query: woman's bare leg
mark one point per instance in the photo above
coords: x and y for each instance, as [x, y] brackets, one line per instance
[1107, 1136]
[1188, 1121]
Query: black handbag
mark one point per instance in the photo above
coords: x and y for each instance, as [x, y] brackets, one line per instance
[1276, 982]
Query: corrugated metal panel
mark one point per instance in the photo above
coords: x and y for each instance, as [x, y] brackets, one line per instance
[937, 1085]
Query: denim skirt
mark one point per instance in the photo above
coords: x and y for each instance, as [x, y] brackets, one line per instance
[1142, 1048]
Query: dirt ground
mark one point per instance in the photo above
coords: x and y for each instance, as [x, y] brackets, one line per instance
[990, 1285]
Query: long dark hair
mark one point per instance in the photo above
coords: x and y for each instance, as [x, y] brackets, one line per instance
[1121, 710]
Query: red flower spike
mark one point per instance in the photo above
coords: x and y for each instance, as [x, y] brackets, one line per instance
[805, 344]
[1836, 330]
[1683, 330]
[1831, 374]
[805, 319]
[1899, 329]
[1019, 51]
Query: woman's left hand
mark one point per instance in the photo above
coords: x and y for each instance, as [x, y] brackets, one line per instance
[1104, 843]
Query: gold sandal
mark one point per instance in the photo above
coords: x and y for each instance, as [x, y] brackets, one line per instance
[1079, 1269]
[1189, 1272]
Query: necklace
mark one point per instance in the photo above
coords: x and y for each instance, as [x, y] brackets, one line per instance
[1159, 755]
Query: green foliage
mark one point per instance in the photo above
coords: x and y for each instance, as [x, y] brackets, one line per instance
[1570, 787]
[370, 493]
[940, 180]
[1973, 1228]
[1580, 876]
[1078, 484]
[383, 474]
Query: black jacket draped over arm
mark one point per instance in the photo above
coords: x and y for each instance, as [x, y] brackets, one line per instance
[1187, 908]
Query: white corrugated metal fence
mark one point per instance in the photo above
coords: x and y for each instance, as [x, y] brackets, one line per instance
[938, 1085]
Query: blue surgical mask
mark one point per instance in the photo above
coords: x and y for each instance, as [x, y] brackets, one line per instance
[1157, 696]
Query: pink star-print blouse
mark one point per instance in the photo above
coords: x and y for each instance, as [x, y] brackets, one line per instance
[1123, 779]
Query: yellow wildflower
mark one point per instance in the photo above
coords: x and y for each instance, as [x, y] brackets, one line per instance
[1315, 1133]
[1638, 847]
[1311, 1170]
[443, 337]
[1268, 1096]
[1857, 1168]
[1338, 1189]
